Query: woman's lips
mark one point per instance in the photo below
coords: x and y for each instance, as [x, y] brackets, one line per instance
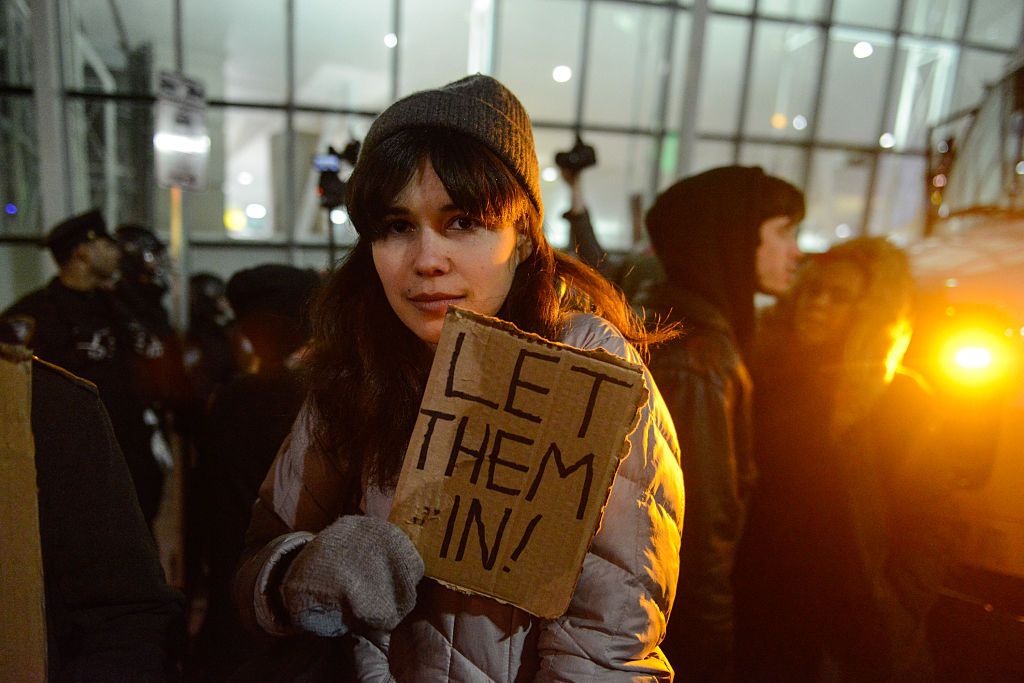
[435, 303]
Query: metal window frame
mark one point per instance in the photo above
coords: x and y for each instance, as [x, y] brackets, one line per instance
[51, 96]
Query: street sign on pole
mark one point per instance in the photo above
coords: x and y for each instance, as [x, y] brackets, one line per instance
[181, 142]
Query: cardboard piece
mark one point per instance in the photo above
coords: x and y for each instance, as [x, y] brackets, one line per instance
[22, 618]
[512, 459]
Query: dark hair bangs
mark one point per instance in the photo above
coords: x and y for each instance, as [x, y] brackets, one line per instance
[780, 198]
[476, 179]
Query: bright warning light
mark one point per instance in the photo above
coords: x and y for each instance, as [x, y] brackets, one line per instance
[973, 357]
[977, 357]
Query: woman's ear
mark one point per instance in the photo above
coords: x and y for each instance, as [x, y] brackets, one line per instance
[524, 246]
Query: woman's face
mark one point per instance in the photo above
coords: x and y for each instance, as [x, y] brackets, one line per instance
[825, 304]
[433, 255]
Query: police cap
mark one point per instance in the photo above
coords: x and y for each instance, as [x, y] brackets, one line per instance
[69, 233]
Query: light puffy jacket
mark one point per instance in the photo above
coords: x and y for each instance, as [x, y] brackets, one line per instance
[616, 617]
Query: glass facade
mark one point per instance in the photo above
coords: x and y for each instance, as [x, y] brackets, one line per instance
[835, 96]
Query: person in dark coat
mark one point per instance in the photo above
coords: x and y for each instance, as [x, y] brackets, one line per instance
[848, 535]
[110, 615]
[721, 236]
[210, 358]
[159, 375]
[76, 322]
[250, 416]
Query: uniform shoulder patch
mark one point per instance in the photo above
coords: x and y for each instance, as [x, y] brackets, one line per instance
[40, 365]
[17, 329]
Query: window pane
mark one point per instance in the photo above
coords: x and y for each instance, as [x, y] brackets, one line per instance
[923, 89]
[100, 58]
[835, 198]
[340, 56]
[795, 9]
[942, 18]
[313, 134]
[422, 22]
[732, 5]
[722, 74]
[624, 82]
[623, 168]
[978, 69]
[707, 154]
[20, 200]
[16, 44]
[898, 201]
[255, 143]
[871, 13]
[847, 115]
[996, 22]
[783, 161]
[23, 267]
[784, 81]
[529, 50]
[246, 189]
[237, 48]
[110, 156]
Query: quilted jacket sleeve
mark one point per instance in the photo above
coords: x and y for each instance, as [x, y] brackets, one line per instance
[617, 616]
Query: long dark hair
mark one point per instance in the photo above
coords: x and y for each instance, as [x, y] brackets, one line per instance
[367, 371]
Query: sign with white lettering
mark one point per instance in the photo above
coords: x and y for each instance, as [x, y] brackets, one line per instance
[181, 142]
[512, 460]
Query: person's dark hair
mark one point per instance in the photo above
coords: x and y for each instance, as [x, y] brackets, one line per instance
[270, 302]
[780, 198]
[367, 371]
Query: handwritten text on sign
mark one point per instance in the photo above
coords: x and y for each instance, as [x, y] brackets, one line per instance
[512, 459]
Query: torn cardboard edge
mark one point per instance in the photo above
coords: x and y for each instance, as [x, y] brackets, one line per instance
[504, 533]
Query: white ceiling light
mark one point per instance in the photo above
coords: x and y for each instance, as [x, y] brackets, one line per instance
[843, 231]
[390, 40]
[561, 73]
[256, 211]
[863, 50]
[245, 178]
[887, 141]
[339, 216]
[549, 174]
[799, 121]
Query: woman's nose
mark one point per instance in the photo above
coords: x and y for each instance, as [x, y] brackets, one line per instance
[431, 257]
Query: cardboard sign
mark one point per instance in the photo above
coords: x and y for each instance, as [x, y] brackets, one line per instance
[23, 618]
[512, 459]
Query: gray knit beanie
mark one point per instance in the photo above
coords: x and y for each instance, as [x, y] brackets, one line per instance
[478, 106]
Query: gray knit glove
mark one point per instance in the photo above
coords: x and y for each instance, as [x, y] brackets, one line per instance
[359, 568]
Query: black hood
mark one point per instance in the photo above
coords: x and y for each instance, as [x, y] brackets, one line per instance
[706, 231]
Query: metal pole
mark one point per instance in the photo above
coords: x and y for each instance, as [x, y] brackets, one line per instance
[691, 89]
[48, 98]
[581, 84]
[178, 247]
[664, 86]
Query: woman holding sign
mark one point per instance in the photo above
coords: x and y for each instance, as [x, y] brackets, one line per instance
[446, 200]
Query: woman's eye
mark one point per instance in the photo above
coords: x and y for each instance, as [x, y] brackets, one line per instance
[397, 228]
[465, 223]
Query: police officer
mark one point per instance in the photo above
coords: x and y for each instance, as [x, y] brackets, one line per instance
[76, 323]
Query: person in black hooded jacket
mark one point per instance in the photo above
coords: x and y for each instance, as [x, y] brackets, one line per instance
[721, 236]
